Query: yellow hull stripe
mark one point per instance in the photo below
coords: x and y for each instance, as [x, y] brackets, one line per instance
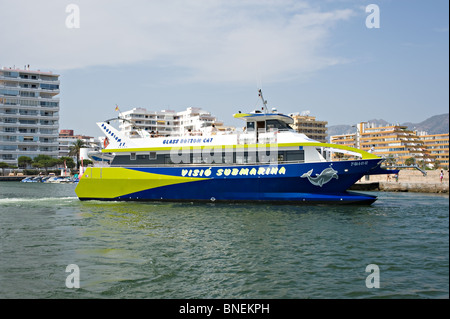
[111, 182]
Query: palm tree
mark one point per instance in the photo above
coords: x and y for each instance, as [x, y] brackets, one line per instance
[74, 150]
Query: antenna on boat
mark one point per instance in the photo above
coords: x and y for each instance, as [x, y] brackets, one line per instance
[264, 101]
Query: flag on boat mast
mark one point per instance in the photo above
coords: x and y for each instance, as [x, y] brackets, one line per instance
[117, 109]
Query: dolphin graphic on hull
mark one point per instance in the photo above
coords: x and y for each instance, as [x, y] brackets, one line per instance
[320, 179]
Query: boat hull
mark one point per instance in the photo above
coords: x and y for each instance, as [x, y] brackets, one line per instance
[299, 183]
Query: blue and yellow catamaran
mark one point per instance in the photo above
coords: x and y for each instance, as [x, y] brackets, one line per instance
[267, 162]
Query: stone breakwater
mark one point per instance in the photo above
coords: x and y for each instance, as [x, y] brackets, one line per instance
[414, 187]
[408, 181]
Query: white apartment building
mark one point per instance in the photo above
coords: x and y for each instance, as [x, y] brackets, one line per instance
[29, 114]
[167, 122]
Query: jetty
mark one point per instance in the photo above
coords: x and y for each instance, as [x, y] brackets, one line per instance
[11, 178]
[407, 181]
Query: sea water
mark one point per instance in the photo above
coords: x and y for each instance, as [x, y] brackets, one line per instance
[49, 239]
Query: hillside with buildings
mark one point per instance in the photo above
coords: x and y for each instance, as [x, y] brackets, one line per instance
[437, 124]
[425, 143]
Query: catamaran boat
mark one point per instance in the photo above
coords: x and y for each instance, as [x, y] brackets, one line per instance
[267, 162]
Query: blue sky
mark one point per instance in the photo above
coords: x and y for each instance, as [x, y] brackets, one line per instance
[215, 54]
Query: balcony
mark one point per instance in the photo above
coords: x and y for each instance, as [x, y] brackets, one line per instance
[38, 105]
[55, 81]
[44, 99]
[8, 124]
[27, 149]
[48, 133]
[9, 160]
[27, 115]
[29, 80]
[50, 91]
[25, 124]
[52, 125]
[34, 116]
[49, 116]
[27, 142]
[2, 151]
[48, 143]
[8, 131]
[28, 77]
[9, 78]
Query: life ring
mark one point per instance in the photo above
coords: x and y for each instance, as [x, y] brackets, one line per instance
[105, 142]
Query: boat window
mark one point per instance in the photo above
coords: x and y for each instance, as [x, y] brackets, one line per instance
[250, 126]
[294, 156]
[261, 125]
[243, 157]
[133, 156]
[196, 157]
[277, 125]
[152, 155]
[240, 159]
[167, 159]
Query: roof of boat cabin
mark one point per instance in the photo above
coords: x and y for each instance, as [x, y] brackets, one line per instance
[264, 116]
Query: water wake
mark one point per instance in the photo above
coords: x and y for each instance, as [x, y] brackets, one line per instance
[34, 200]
